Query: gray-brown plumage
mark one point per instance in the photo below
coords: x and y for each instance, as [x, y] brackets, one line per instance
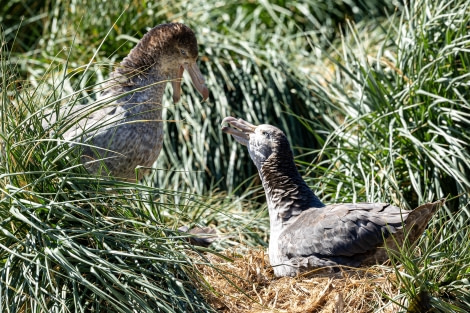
[305, 233]
[123, 129]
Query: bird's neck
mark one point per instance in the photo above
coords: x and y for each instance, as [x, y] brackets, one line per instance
[287, 193]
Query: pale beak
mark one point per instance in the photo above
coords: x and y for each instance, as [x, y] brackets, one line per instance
[241, 131]
[196, 78]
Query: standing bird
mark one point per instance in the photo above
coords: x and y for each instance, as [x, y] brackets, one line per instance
[123, 129]
[307, 234]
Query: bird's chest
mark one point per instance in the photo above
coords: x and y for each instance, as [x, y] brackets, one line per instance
[276, 228]
[139, 142]
[125, 146]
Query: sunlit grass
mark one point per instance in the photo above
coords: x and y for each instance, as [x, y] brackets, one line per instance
[71, 241]
[375, 105]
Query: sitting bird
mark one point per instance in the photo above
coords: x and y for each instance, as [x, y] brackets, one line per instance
[123, 129]
[307, 234]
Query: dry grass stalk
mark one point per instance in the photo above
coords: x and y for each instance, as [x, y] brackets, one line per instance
[247, 284]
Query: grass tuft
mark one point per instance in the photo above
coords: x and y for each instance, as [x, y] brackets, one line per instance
[374, 102]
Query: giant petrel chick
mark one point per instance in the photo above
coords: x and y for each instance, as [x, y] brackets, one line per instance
[307, 234]
[123, 129]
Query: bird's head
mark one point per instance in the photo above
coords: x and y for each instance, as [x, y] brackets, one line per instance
[173, 48]
[263, 141]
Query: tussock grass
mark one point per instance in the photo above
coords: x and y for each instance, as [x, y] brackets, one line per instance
[73, 242]
[250, 54]
[394, 129]
[375, 104]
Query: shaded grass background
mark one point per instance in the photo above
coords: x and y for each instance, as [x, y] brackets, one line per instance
[375, 103]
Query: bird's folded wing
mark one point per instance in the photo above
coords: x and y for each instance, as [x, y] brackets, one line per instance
[340, 230]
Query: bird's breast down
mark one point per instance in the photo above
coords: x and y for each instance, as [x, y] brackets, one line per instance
[119, 145]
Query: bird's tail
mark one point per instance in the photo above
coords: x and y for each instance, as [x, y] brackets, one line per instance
[418, 219]
[414, 227]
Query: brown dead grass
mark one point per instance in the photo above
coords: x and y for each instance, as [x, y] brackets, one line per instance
[246, 283]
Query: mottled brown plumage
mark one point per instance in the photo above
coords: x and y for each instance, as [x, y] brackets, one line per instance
[123, 129]
[307, 234]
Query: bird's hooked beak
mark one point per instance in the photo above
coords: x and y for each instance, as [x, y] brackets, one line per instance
[196, 78]
[240, 129]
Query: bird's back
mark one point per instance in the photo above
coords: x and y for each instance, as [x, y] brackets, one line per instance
[347, 234]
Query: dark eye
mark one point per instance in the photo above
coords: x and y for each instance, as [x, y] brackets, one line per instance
[183, 52]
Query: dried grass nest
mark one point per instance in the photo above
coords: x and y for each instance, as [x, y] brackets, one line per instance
[241, 280]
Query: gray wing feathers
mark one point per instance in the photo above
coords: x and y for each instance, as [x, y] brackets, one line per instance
[341, 230]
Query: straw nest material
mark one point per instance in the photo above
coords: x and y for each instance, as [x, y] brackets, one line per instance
[243, 281]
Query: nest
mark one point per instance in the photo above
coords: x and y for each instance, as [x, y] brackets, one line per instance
[243, 281]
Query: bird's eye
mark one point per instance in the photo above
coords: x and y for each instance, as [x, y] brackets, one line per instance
[183, 52]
